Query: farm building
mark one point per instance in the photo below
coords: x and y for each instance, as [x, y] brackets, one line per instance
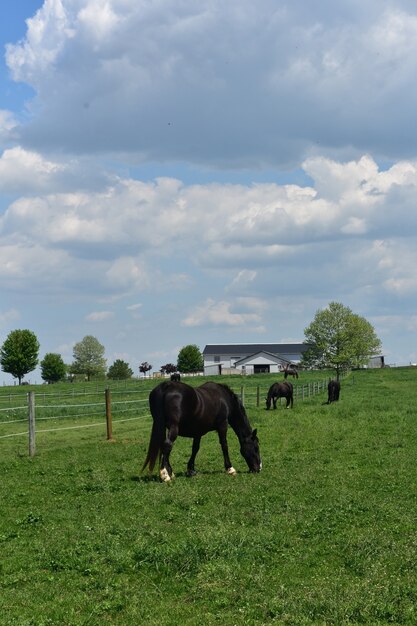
[376, 361]
[251, 358]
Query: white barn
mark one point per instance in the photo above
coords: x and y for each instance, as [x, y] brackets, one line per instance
[251, 358]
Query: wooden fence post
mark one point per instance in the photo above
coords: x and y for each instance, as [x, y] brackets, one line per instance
[257, 395]
[108, 415]
[32, 442]
[242, 395]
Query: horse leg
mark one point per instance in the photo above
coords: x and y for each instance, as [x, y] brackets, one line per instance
[222, 432]
[190, 465]
[274, 400]
[166, 473]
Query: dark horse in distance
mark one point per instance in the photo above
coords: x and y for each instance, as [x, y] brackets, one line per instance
[181, 410]
[333, 391]
[290, 371]
[280, 390]
[176, 377]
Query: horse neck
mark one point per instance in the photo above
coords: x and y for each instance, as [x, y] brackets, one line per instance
[239, 422]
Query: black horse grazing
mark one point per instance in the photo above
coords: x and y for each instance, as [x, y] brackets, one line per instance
[181, 410]
[280, 390]
[333, 391]
[290, 371]
[176, 377]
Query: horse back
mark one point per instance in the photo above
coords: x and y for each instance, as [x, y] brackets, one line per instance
[281, 389]
[216, 400]
[193, 410]
[169, 400]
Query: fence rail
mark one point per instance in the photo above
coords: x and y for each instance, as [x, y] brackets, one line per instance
[107, 409]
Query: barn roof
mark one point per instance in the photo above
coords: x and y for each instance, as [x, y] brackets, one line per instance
[274, 357]
[237, 349]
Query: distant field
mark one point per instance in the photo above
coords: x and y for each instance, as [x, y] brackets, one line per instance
[82, 407]
[324, 535]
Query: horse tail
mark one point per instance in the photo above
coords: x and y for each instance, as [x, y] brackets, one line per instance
[156, 403]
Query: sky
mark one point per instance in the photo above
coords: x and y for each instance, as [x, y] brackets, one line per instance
[176, 172]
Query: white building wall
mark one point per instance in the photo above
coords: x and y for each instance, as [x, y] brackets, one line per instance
[224, 361]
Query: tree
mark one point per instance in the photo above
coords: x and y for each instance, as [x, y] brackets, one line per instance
[53, 368]
[339, 339]
[19, 353]
[120, 370]
[89, 357]
[169, 368]
[190, 359]
[145, 367]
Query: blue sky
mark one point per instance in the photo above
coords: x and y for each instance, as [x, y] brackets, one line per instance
[176, 172]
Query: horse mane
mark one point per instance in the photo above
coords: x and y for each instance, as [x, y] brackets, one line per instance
[237, 418]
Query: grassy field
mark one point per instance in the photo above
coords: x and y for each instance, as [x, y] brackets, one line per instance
[326, 534]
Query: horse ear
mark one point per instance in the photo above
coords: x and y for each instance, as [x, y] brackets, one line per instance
[254, 433]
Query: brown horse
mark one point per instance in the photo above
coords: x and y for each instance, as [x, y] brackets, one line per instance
[280, 390]
[290, 371]
[181, 410]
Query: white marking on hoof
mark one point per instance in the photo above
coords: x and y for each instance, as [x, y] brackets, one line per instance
[165, 477]
[231, 471]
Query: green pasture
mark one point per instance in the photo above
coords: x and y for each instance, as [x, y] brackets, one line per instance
[326, 534]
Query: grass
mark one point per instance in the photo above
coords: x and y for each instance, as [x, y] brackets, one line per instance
[324, 535]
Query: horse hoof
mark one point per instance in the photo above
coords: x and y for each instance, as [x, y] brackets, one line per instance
[231, 471]
[165, 477]
[191, 473]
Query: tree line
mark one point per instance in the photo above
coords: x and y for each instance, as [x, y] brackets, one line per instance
[19, 355]
[337, 339]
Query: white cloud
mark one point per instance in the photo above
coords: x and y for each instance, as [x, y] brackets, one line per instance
[21, 170]
[354, 226]
[242, 279]
[127, 273]
[100, 316]
[9, 316]
[99, 19]
[47, 34]
[119, 236]
[145, 78]
[224, 313]
[7, 123]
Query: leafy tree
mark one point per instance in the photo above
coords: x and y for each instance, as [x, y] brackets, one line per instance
[19, 353]
[145, 367]
[339, 339]
[89, 357]
[120, 370]
[190, 359]
[53, 368]
[169, 368]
